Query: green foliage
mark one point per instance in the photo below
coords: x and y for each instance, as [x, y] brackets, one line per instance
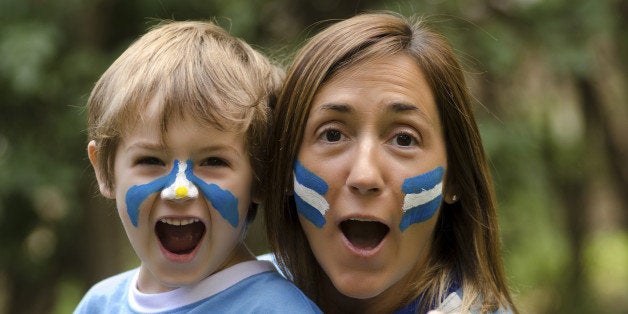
[606, 257]
[524, 59]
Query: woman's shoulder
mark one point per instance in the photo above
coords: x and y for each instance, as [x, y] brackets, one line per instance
[453, 303]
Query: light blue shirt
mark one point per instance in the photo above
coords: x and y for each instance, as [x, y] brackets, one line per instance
[248, 287]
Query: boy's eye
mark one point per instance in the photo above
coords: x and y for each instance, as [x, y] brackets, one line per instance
[214, 162]
[404, 139]
[150, 161]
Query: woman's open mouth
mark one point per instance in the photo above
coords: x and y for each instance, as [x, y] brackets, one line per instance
[180, 236]
[364, 235]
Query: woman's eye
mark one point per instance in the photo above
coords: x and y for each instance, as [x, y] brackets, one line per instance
[404, 139]
[214, 162]
[332, 135]
[150, 161]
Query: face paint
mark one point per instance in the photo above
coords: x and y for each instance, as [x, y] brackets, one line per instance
[308, 195]
[423, 197]
[138, 193]
[222, 200]
[181, 183]
[181, 187]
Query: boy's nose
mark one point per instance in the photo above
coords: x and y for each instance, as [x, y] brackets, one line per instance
[181, 188]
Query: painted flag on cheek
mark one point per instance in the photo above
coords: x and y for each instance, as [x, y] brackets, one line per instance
[423, 197]
[308, 195]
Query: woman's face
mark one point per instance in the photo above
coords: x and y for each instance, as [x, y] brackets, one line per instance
[369, 174]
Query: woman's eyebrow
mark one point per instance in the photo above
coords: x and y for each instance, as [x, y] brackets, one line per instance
[401, 107]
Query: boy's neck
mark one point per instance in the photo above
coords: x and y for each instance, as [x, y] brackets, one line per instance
[240, 253]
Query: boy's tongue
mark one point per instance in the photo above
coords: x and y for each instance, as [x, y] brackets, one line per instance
[180, 239]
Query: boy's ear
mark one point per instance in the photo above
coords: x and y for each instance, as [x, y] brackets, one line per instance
[92, 153]
[256, 194]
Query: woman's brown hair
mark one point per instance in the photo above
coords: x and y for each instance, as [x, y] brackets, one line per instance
[466, 246]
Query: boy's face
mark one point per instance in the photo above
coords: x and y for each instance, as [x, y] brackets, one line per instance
[183, 204]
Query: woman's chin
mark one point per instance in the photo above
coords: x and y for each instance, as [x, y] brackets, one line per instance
[359, 291]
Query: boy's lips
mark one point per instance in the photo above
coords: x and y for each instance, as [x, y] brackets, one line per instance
[179, 236]
[363, 235]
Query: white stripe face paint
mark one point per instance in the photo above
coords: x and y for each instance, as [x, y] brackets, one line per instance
[413, 200]
[423, 197]
[308, 195]
[181, 187]
[311, 197]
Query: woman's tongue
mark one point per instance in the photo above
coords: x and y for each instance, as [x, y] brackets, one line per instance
[180, 239]
[364, 234]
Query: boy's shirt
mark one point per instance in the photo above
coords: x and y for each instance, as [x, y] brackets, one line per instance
[248, 287]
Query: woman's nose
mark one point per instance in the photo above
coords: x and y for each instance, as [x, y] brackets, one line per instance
[181, 189]
[365, 174]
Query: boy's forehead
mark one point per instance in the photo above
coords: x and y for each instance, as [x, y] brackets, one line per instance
[151, 131]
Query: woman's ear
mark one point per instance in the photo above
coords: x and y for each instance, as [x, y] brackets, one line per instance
[450, 193]
[92, 153]
[451, 198]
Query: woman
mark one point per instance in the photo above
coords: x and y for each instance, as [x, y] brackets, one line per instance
[382, 199]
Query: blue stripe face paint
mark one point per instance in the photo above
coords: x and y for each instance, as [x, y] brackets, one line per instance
[423, 197]
[222, 200]
[138, 193]
[308, 195]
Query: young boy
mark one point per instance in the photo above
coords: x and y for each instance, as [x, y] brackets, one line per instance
[177, 126]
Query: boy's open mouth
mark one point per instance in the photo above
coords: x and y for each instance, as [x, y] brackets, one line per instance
[364, 234]
[179, 236]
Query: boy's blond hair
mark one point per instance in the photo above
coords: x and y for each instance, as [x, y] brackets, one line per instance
[187, 69]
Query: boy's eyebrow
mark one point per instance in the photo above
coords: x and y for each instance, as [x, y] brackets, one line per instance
[343, 108]
[207, 149]
[145, 145]
[218, 148]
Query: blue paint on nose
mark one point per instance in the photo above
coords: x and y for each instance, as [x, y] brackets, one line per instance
[222, 200]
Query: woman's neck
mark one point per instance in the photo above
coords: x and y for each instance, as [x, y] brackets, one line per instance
[395, 297]
[386, 302]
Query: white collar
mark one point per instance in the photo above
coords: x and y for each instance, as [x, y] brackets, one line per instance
[182, 296]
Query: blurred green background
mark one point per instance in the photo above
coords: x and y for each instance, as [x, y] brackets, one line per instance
[549, 80]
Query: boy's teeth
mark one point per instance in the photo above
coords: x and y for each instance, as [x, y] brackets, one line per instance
[178, 222]
[360, 219]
